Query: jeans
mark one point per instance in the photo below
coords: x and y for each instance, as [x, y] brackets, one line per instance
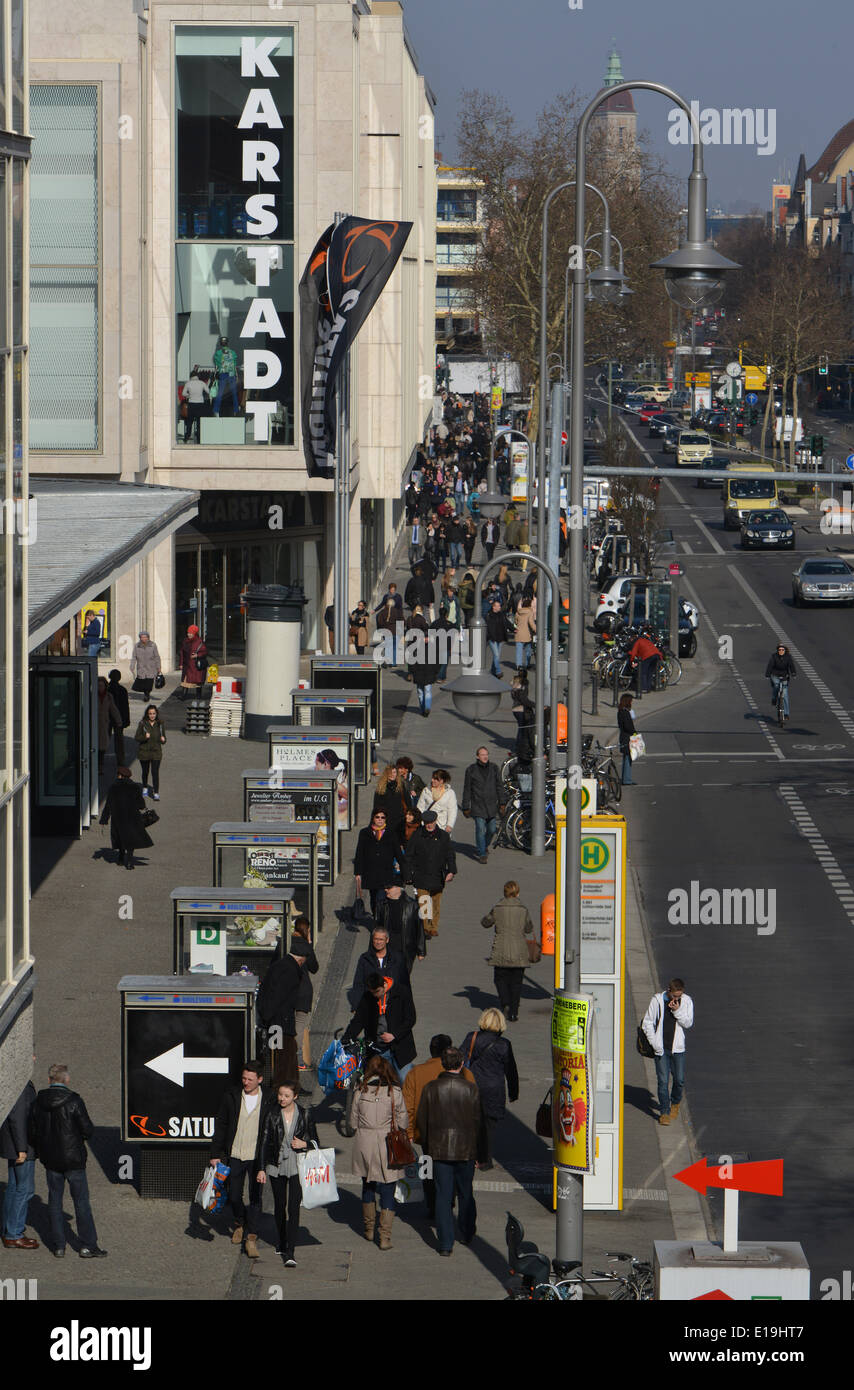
[665, 1064]
[450, 1178]
[456, 553]
[627, 769]
[495, 648]
[646, 673]
[226, 384]
[20, 1186]
[483, 832]
[523, 655]
[386, 1191]
[425, 698]
[93, 648]
[242, 1168]
[775, 686]
[79, 1188]
[508, 987]
[287, 1199]
[387, 1053]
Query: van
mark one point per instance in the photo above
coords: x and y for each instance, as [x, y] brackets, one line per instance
[693, 448]
[746, 489]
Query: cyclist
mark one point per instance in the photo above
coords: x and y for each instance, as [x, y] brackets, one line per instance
[780, 667]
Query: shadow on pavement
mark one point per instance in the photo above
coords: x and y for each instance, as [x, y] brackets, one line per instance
[639, 1098]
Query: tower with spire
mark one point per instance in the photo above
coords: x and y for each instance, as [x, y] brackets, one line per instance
[617, 115]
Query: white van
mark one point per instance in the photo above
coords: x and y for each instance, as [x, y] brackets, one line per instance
[693, 448]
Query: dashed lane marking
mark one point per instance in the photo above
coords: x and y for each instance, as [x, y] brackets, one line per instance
[807, 827]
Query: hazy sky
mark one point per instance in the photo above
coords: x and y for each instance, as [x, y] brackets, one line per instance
[774, 56]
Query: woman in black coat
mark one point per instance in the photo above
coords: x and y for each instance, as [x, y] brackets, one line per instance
[287, 1129]
[123, 809]
[489, 1057]
[377, 859]
[626, 726]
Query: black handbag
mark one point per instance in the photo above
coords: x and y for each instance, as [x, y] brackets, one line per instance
[159, 681]
[149, 817]
[139, 686]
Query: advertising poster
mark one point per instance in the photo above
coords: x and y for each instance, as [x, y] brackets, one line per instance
[96, 608]
[519, 471]
[308, 806]
[307, 757]
[572, 1095]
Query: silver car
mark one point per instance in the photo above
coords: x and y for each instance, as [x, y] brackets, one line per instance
[823, 580]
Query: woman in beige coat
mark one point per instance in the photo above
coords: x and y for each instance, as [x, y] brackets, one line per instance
[378, 1100]
[526, 627]
[510, 957]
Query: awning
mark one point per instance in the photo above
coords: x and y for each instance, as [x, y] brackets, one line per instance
[85, 534]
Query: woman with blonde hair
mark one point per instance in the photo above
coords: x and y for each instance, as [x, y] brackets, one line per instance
[377, 1105]
[489, 1057]
[392, 797]
[510, 956]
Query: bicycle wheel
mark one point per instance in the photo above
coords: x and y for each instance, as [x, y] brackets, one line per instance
[781, 718]
[349, 1131]
[615, 786]
[518, 829]
[675, 675]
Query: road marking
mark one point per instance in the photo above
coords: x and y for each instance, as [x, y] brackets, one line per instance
[805, 824]
[837, 709]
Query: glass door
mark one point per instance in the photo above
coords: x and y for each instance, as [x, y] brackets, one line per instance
[236, 572]
[212, 585]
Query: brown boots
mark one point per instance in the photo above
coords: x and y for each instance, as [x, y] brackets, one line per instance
[386, 1223]
[369, 1214]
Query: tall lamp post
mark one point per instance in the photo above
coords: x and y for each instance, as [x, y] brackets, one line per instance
[693, 276]
[624, 293]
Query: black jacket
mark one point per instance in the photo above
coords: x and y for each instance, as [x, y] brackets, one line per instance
[305, 992]
[626, 726]
[59, 1126]
[271, 1132]
[419, 590]
[497, 627]
[491, 1062]
[405, 927]
[367, 964]
[376, 860]
[395, 802]
[123, 808]
[399, 1020]
[121, 701]
[14, 1132]
[277, 997]
[450, 1120]
[429, 857]
[780, 665]
[525, 715]
[225, 1124]
[482, 791]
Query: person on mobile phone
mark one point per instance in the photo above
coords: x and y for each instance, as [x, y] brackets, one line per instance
[669, 1016]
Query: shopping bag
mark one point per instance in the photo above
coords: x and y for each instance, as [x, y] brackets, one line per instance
[337, 1066]
[326, 1068]
[205, 1195]
[220, 1187]
[317, 1177]
[637, 747]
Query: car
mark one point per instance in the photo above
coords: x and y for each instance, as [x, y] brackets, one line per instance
[659, 422]
[633, 403]
[670, 438]
[760, 530]
[647, 411]
[692, 447]
[714, 470]
[614, 597]
[825, 580]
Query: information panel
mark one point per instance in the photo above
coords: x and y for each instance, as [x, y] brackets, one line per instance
[287, 799]
[283, 858]
[297, 749]
[343, 709]
[353, 673]
[255, 924]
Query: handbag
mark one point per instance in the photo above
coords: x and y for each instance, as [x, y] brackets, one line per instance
[159, 681]
[316, 1168]
[543, 1122]
[201, 663]
[535, 950]
[399, 1151]
[139, 686]
[149, 817]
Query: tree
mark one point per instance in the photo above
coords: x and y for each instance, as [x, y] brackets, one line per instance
[633, 500]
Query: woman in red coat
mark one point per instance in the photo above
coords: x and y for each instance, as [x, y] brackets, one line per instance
[194, 664]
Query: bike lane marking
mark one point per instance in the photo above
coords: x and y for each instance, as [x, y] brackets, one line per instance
[807, 827]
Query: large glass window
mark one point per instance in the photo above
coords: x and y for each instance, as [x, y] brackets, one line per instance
[221, 162]
[64, 274]
[218, 383]
[20, 851]
[18, 65]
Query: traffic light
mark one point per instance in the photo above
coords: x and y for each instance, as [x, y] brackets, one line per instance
[754, 416]
[822, 364]
[817, 444]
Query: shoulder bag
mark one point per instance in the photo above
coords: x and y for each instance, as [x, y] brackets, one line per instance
[399, 1151]
[644, 1046]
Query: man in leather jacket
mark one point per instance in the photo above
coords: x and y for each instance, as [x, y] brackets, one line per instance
[386, 1016]
[59, 1126]
[398, 914]
[451, 1123]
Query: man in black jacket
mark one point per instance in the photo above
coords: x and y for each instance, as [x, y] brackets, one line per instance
[430, 863]
[497, 632]
[780, 667]
[236, 1142]
[398, 915]
[276, 1008]
[386, 1016]
[419, 590]
[377, 960]
[482, 799]
[122, 704]
[59, 1127]
[20, 1183]
[451, 1123]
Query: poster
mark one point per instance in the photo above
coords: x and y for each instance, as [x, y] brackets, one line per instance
[308, 805]
[572, 1094]
[96, 608]
[519, 471]
[308, 758]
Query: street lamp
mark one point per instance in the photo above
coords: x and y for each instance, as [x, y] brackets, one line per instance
[692, 272]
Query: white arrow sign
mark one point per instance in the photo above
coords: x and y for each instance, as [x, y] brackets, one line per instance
[173, 1064]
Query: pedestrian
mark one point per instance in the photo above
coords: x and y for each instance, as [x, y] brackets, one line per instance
[469, 539]
[441, 798]
[454, 532]
[301, 946]
[287, 1130]
[109, 720]
[359, 633]
[465, 598]
[416, 534]
[626, 727]
[59, 1127]
[119, 696]
[670, 1014]
[194, 663]
[123, 809]
[414, 783]
[430, 865]
[329, 624]
[490, 1056]
[510, 956]
[276, 1008]
[442, 541]
[150, 736]
[422, 656]
[497, 632]
[411, 824]
[91, 634]
[236, 1143]
[392, 797]
[194, 395]
[450, 1120]
[145, 665]
[645, 652]
[490, 533]
[378, 959]
[378, 857]
[386, 1016]
[388, 614]
[377, 1108]
[413, 1087]
[20, 1155]
[482, 800]
[398, 914]
[526, 627]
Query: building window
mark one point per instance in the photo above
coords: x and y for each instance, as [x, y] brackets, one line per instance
[17, 65]
[64, 272]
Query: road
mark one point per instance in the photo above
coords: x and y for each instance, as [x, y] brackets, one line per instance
[729, 801]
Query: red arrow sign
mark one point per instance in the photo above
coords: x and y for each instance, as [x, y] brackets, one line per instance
[564, 438]
[745, 1177]
[715, 1296]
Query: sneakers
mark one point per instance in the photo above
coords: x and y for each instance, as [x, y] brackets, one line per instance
[145, 791]
[155, 796]
[93, 1253]
[290, 1262]
[664, 1119]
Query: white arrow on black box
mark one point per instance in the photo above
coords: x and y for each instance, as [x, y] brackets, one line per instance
[174, 1065]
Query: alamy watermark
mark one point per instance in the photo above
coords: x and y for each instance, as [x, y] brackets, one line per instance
[729, 125]
[723, 907]
[19, 517]
[836, 517]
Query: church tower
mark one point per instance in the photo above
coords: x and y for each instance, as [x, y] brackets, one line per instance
[617, 115]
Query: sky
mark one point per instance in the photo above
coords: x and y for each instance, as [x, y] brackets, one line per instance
[787, 61]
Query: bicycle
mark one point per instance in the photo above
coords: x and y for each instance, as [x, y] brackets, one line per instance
[516, 824]
[780, 700]
[532, 1281]
[669, 670]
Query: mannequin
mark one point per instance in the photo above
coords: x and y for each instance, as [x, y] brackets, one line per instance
[225, 366]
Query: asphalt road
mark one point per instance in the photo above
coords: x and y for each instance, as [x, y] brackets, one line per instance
[729, 801]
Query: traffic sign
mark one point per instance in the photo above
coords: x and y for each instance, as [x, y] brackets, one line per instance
[564, 438]
[766, 1176]
[752, 398]
[849, 462]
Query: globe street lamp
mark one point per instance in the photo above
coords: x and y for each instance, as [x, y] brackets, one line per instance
[692, 272]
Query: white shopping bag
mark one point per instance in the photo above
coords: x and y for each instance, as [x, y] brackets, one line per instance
[317, 1177]
[205, 1195]
[637, 747]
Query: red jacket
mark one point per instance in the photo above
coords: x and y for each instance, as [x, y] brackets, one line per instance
[643, 649]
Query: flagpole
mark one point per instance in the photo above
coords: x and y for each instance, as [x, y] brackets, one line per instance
[342, 503]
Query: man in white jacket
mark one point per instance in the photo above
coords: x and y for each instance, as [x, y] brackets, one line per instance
[669, 1014]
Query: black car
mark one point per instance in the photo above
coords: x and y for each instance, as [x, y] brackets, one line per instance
[658, 424]
[761, 530]
[714, 469]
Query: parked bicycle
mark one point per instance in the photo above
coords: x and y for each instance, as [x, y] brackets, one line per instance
[532, 1280]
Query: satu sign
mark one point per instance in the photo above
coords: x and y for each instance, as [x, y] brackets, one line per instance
[262, 368]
